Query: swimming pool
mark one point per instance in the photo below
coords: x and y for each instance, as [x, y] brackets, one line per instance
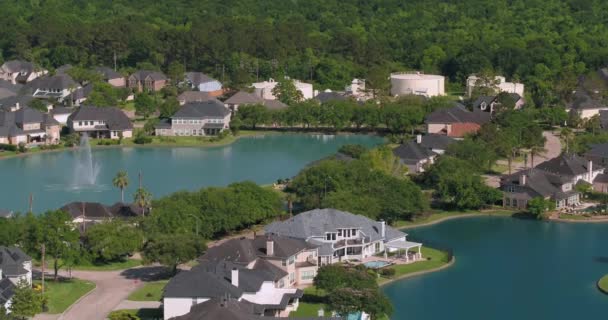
[377, 264]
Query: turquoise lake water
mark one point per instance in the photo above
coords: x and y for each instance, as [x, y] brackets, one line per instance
[509, 269]
[51, 179]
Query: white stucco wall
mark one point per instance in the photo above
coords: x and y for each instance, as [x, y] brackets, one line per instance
[174, 307]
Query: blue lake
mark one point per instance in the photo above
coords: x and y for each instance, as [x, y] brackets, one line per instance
[509, 269]
[50, 177]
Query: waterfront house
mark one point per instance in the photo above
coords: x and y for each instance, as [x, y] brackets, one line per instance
[112, 77]
[104, 122]
[416, 157]
[85, 212]
[203, 83]
[147, 80]
[15, 265]
[56, 87]
[204, 118]
[296, 257]
[228, 308]
[61, 114]
[343, 236]
[456, 121]
[554, 180]
[18, 71]
[80, 95]
[27, 125]
[437, 143]
[256, 283]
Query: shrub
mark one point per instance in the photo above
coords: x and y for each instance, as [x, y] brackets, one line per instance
[22, 147]
[8, 147]
[387, 272]
[141, 138]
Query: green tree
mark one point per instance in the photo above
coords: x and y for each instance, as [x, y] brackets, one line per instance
[144, 104]
[173, 249]
[143, 199]
[121, 181]
[176, 72]
[38, 105]
[26, 302]
[150, 126]
[123, 315]
[384, 160]
[253, 115]
[113, 240]
[538, 206]
[353, 150]
[60, 237]
[286, 92]
[169, 107]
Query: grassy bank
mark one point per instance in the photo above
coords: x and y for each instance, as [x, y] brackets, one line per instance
[143, 314]
[434, 259]
[110, 266]
[438, 216]
[151, 291]
[62, 294]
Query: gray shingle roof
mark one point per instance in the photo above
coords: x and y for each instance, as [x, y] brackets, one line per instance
[487, 99]
[274, 104]
[243, 97]
[458, 114]
[11, 261]
[538, 183]
[565, 165]
[316, 222]
[245, 250]
[28, 115]
[324, 97]
[203, 109]
[114, 117]
[6, 93]
[108, 73]
[57, 82]
[141, 75]
[194, 96]
[436, 141]
[412, 152]
[198, 282]
[7, 290]
[18, 66]
[92, 210]
[196, 78]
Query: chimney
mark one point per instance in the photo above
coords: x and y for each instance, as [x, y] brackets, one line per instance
[235, 277]
[17, 105]
[522, 180]
[383, 228]
[418, 138]
[269, 247]
[590, 169]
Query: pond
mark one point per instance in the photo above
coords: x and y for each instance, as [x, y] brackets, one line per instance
[508, 269]
[53, 182]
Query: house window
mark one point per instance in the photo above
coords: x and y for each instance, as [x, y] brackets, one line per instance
[377, 247]
[292, 277]
[515, 202]
[353, 232]
[292, 260]
[330, 236]
[507, 202]
[307, 275]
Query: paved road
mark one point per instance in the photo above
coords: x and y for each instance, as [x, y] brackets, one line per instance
[112, 287]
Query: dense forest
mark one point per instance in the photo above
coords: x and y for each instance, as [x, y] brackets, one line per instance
[545, 43]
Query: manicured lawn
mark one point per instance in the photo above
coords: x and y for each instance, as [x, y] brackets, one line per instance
[603, 284]
[572, 216]
[62, 294]
[308, 310]
[112, 266]
[151, 291]
[438, 215]
[435, 259]
[143, 314]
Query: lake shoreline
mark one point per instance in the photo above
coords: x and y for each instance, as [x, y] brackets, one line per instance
[419, 273]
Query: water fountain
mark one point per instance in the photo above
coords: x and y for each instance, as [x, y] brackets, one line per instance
[86, 169]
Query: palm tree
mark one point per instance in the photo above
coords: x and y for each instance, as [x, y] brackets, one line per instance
[536, 151]
[121, 181]
[143, 199]
[291, 198]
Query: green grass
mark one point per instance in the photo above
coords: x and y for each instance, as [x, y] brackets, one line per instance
[151, 291]
[112, 266]
[62, 294]
[308, 310]
[143, 314]
[603, 284]
[439, 215]
[435, 259]
[572, 216]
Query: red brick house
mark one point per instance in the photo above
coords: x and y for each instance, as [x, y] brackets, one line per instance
[147, 80]
[456, 122]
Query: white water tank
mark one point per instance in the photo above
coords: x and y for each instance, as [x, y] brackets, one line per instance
[417, 83]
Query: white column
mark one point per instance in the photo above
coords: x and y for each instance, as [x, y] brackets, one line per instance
[419, 252]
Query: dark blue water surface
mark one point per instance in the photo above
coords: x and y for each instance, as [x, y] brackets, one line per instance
[51, 177]
[509, 269]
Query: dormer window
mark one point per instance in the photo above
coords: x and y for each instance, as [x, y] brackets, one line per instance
[330, 236]
[483, 106]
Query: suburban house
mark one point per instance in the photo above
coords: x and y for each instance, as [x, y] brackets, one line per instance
[147, 80]
[17, 102]
[456, 121]
[204, 83]
[296, 257]
[104, 122]
[204, 118]
[27, 125]
[415, 156]
[598, 153]
[17, 71]
[437, 143]
[257, 284]
[15, 265]
[490, 103]
[86, 213]
[554, 179]
[344, 236]
[264, 89]
[80, 95]
[588, 98]
[193, 96]
[230, 309]
[112, 77]
[243, 98]
[53, 87]
[499, 84]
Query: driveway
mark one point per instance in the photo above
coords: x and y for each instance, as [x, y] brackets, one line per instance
[112, 288]
[553, 147]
